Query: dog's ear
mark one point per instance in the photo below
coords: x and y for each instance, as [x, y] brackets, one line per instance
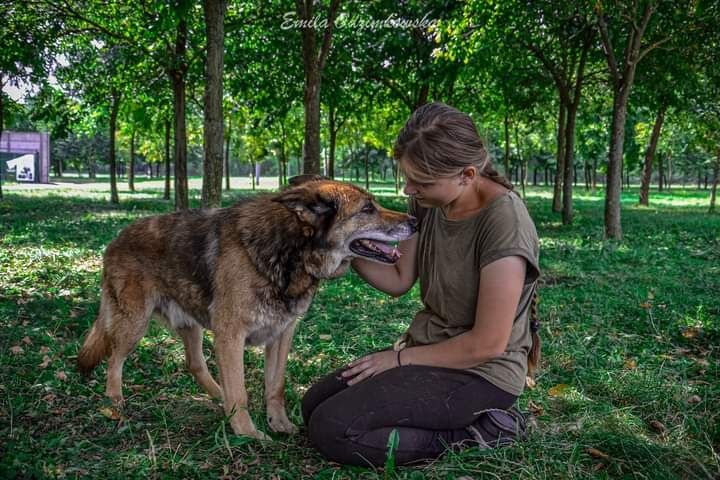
[308, 206]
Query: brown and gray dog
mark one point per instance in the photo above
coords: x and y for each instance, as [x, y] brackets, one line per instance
[247, 272]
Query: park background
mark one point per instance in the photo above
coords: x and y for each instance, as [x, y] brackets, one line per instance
[604, 114]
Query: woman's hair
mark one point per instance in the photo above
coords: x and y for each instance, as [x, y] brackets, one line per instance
[439, 141]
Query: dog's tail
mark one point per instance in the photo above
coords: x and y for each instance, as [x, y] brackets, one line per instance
[96, 345]
[534, 353]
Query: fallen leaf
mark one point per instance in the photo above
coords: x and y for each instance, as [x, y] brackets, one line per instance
[111, 413]
[535, 409]
[691, 332]
[630, 364]
[694, 399]
[61, 375]
[325, 336]
[45, 362]
[17, 350]
[558, 390]
[26, 340]
[595, 453]
[530, 382]
[657, 426]
[44, 349]
[646, 305]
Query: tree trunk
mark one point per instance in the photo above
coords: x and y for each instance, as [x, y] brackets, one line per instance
[177, 79]
[506, 160]
[114, 107]
[569, 164]
[716, 173]
[213, 121]
[613, 187]
[559, 159]
[166, 194]
[668, 179]
[333, 136]
[649, 154]
[131, 171]
[252, 174]
[228, 135]
[313, 62]
[661, 172]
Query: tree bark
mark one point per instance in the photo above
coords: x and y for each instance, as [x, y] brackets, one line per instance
[177, 79]
[649, 154]
[115, 97]
[131, 170]
[613, 186]
[228, 136]
[568, 164]
[314, 63]
[559, 159]
[716, 173]
[661, 173]
[166, 194]
[213, 122]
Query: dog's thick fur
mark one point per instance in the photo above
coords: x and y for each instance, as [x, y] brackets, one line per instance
[246, 272]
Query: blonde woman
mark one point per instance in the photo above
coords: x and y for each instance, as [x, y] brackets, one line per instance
[452, 379]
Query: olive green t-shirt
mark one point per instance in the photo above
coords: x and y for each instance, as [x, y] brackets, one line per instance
[450, 256]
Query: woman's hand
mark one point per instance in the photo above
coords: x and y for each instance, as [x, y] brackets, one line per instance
[370, 365]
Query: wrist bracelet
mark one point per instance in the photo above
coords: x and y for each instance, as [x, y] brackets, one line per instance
[398, 357]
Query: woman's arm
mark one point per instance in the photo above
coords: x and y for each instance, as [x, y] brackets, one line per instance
[394, 279]
[501, 284]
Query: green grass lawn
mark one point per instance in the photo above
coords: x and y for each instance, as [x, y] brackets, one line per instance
[630, 384]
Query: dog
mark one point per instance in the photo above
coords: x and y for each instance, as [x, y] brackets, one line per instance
[247, 272]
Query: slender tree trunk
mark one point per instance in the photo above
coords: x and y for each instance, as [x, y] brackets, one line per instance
[661, 172]
[668, 180]
[228, 136]
[131, 171]
[314, 63]
[252, 174]
[716, 173]
[213, 120]
[613, 228]
[114, 107]
[535, 171]
[649, 155]
[177, 79]
[367, 168]
[506, 160]
[166, 194]
[569, 164]
[333, 136]
[559, 158]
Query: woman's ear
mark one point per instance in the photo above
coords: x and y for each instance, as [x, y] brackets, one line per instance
[468, 175]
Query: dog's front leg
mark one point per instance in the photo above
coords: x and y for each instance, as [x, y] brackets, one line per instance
[276, 356]
[229, 348]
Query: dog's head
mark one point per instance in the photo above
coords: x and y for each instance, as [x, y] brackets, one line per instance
[345, 222]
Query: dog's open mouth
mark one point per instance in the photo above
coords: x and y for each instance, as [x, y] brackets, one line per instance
[376, 250]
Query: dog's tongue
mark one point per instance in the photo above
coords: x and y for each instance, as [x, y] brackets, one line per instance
[386, 249]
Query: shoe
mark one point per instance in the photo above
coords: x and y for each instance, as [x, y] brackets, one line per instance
[495, 427]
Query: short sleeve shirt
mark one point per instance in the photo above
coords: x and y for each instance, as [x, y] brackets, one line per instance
[450, 256]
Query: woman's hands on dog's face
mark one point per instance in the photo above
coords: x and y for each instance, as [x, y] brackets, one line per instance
[369, 365]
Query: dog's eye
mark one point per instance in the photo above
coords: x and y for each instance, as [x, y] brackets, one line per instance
[368, 208]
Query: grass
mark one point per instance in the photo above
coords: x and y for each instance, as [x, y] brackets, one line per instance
[630, 385]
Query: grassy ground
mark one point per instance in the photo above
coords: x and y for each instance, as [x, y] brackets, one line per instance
[629, 386]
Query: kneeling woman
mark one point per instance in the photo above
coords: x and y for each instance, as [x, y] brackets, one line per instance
[452, 379]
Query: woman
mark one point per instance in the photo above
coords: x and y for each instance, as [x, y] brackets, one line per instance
[453, 377]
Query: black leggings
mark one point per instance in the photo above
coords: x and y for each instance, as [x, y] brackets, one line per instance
[428, 406]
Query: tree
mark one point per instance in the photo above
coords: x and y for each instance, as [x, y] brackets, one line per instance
[629, 24]
[314, 59]
[213, 120]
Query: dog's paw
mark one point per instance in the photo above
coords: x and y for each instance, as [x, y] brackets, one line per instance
[281, 424]
[258, 435]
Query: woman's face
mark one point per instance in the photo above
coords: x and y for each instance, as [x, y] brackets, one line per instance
[431, 194]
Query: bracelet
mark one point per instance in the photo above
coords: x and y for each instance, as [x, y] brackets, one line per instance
[398, 357]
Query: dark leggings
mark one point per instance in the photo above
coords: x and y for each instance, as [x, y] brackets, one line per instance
[428, 406]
